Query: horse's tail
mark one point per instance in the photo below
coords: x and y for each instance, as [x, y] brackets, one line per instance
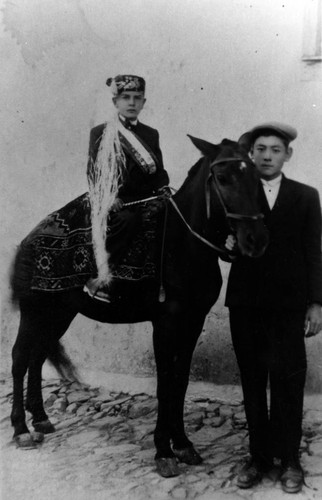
[21, 273]
[58, 357]
[20, 281]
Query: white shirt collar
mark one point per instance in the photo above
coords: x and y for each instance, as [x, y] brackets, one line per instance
[133, 122]
[272, 183]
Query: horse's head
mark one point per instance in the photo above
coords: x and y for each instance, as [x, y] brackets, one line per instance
[233, 182]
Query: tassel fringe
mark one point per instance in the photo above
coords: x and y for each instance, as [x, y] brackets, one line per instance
[104, 180]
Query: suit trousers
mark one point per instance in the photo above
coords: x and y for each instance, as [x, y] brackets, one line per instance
[270, 349]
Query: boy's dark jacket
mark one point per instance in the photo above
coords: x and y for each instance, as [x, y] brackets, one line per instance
[136, 183]
[289, 274]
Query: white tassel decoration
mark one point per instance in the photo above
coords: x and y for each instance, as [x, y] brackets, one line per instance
[104, 182]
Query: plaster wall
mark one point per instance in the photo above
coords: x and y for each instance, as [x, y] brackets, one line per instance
[214, 68]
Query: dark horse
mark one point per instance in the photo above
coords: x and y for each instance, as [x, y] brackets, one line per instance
[217, 198]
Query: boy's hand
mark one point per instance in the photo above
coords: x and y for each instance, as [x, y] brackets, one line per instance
[313, 320]
[117, 205]
[231, 243]
[164, 191]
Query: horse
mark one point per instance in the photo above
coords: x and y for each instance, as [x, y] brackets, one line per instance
[217, 198]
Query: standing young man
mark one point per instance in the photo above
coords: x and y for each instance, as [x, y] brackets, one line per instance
[273, 301]
[125, 165]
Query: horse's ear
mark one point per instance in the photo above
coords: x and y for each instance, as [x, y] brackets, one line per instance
[228, 142]
[245, 141]
[205, 147]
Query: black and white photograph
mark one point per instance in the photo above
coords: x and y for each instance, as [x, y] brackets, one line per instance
[161, 262]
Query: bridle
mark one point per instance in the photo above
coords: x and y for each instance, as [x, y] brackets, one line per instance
[229, 215]
[212, 177]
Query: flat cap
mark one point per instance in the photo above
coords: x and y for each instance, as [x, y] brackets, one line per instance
[280, 129]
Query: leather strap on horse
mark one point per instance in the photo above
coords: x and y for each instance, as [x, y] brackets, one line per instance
[228, 215]
[201, 238]
[212, 177]
[162, 295]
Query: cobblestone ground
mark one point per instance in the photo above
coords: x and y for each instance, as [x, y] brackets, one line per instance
[103, 449]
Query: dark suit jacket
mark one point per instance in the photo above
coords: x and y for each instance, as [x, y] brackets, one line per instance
[136, 184]
[289, 274]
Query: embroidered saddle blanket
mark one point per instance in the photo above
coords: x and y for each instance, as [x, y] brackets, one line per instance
[58, 254]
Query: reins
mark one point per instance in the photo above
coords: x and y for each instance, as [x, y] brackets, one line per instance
[144, 200]
[228, 215]
[197, 235]
[173, 203]
[162, 295]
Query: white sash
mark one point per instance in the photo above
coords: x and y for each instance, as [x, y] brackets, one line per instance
[131, 142]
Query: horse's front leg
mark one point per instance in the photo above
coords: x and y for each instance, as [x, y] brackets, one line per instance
[164, 332]
[188, 334]
[174, 338]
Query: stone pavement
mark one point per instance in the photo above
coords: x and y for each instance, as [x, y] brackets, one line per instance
[103, 448]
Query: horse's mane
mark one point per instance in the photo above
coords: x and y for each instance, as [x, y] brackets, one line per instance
[192, 172]
[195, 168]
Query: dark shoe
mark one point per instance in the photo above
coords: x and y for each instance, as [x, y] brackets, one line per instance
[292, 478]
[250, 474]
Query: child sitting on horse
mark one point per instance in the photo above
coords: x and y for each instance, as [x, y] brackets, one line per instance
[124, 165]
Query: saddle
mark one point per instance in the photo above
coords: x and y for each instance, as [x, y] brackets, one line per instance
[58, 254]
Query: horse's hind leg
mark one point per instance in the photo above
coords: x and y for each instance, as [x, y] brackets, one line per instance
[34, 403]
[57, 319]
[37, 317]
[20, 362]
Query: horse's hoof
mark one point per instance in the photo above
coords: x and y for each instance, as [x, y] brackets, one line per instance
[188, 455]
[167, 467]
[44, 427]
[25, 441]
[37, 437]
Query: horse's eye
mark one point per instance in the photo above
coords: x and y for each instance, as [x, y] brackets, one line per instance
[222, 179]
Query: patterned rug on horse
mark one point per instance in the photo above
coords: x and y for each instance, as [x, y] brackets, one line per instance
[58, 254]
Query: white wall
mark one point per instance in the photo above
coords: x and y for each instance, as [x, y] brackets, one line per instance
[214, 68]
